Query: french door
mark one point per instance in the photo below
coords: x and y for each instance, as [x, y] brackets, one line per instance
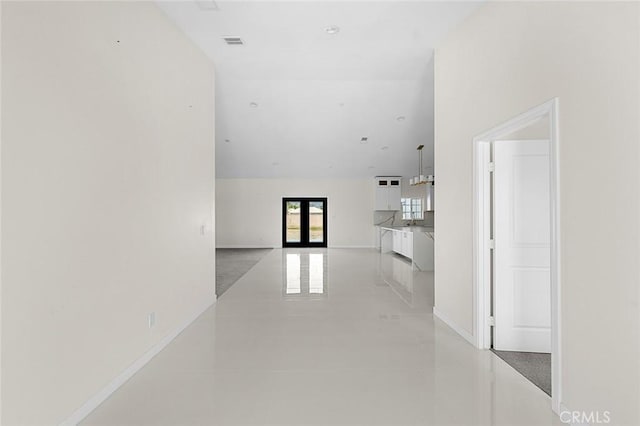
[304, 222]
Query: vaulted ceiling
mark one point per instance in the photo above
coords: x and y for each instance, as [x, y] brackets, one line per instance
[313, 78]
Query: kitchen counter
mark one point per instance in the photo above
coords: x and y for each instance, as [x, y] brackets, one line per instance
[416, 228]
[415, 243]
[429, 230]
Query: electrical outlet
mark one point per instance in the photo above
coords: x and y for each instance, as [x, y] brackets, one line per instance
[151, 319]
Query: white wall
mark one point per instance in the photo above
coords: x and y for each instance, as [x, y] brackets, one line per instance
[249, 211]
[503, 60]
[1, 214]
[107, 176]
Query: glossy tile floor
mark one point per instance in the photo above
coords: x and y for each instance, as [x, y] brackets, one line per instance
[325, 337]
[231, 264]
[536, 367]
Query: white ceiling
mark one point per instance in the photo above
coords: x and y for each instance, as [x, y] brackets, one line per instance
[318, 94]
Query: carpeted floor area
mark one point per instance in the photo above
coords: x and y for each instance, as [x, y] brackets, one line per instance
[232, 264]
[534, 366]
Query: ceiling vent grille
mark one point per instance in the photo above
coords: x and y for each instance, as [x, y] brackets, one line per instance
[207, 4]
[233, 41]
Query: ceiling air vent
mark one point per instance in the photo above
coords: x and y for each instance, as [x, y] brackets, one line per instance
[207, 4]
[233, 41]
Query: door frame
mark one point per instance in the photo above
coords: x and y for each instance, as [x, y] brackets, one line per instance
[482, 233]
[304, 221]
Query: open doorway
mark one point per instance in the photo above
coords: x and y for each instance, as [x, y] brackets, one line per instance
[521, 279]
[516, 245]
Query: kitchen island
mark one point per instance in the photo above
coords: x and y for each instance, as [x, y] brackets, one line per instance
[415, 243]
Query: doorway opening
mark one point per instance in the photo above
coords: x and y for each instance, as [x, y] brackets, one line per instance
[521, 288]
[517, 246]
[304, 222]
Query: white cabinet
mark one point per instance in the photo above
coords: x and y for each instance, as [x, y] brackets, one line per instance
[397, 241]
[388, 192]
[416, 244]
[407, 244]
[402, 243]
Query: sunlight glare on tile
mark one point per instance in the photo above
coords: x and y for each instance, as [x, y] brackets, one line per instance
[277, 350]
[316, 273]
[293, 273]
[305, 275]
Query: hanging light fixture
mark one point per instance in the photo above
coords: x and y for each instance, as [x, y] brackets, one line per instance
[419, 178]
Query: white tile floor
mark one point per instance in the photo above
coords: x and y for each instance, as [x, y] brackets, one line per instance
[325, 337]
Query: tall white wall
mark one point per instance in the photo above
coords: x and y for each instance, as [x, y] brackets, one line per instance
[249, 211]
[1, 214]
[107, 177]
[503, 60]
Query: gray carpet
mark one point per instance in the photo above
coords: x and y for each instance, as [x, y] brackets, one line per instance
[232, 264]
[534, 366]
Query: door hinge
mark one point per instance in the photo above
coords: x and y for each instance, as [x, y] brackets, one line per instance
[491, 321]
[492, 244]
[492, 167]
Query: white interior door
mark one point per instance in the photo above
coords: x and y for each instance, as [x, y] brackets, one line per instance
[522, 284]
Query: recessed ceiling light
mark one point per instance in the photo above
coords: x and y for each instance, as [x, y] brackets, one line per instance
[384, 148]
[364, 139]
[401, 118]
[253, 105]
[332, 29]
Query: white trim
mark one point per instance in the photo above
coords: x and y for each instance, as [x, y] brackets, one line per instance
[461, 331]
[353, 247]
[279, 247]
[556, 259]
[232, 246]
[481, 257]
[0, 220]
[104, 393]
[481, 240]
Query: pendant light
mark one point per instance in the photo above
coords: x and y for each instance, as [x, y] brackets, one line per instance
[419, 178]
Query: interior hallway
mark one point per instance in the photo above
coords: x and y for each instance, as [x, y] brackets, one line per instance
[325, 337]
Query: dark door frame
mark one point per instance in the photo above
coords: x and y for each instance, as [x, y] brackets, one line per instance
[304, 222]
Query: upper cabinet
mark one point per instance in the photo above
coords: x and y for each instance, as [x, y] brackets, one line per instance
[388, 192]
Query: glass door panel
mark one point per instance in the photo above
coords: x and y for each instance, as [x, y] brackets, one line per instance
[304, 222]
[316, 221]
[293, 222]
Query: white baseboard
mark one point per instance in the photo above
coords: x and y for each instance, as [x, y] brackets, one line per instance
[233, 246]
[125, 375]
[352, 247]
[461, 331]
[279, 246]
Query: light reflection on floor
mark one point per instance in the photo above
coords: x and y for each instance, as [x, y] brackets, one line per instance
[414, 287]
[305, 275]
[325, 337]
